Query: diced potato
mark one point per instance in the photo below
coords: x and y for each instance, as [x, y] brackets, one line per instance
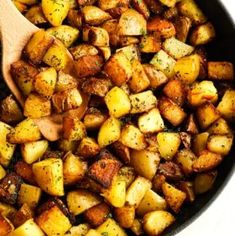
[200, 142]
[111, 228]
[132, 137]
[80, 230]
[7, 210]
[6, 226]
[151, 202]
[220, 144]
[64, 82]
[93, 232]
[80, 200]
[176, 48]
[203, 182]
[94, 119]
[53, 221]
[94, 15]
[145, 163]
[220, 70]
[202, 92]
[111, 26]
[55, 12]
[2, 175]
[190, 9]
[109, 132]
[117, 102]
[207, 161]
[27, 229]
[187, 69]
[36, 106]
[132, 23]
[131, 52]
[151, 122]
[25, 131]
[118, 68]
[139, 80]
[33, 151]
[168, 144]
[136, 228]
[149, 44]
[22, 215]
[174, 197]
[67, 145]
[38, 45]
[142, 102]
[163, 62]
[137, 190]
[125, 216]
[185, 159]
[98, 36]
[171, 111]
[49, 176]
[106, 52]
[219, 127]
[65, 33]
[127, 174]
[156, 222]
[29, 194]
[207, 115]
[227, 105]
[142, 8]
[73, 169]
[156, 77]
[182, 26]
[6, 149]
[83, 50]
[202, 34]
[35, 15]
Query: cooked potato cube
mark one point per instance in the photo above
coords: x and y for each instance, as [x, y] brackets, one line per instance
[111, 26]
[220, 70]
[58, 56]
[168, 144]
[185, 159]
[176, 48]
[162, 26]
[94, 15]
[151, 122]
[73, 169]
[93, 119]
[157, 181]
[145, 163]
[49, 176]
[136, 227]
[207, 161]
[200, 142]
[7, 210]
[207, 115]
[10, 111]
[81, 200]
[65, 33]
[111, 228]
[33, 151]
[151, 202]
[25, 131]
[137, 190]
[38, 45]
[202, 92]
[53, 221]
[98, 36]
[220, 144]
[132, 137]
[174, 197]
[109, 132]
[219, 127]
[163, 62]
[116, 193]
[6, 226]
[27, 229]
[121, 151]
[190, 9]
[6, 149]
[182, 26]
[203, 182]
[131, 52]
[36, 106]
[202, 34]
[118, 68]
[187, 69]
[142, 102]
[156, 222]
[30, 195]
[132, 23]
[64, 82]
[55, 12]
[156, 77]
[171, 111]
[227, 105]
[126, 174]
[35, 15]
[125, 216]
[117, 102]
[83, 50]
[81, 229]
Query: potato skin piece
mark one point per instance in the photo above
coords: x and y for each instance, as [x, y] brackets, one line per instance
[88, 65]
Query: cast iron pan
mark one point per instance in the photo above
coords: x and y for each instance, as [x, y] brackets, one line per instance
[221, 49]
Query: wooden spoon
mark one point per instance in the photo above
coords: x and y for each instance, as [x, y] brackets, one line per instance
[16, 30]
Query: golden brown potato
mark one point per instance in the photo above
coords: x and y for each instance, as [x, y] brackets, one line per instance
[38, 45]
[150, 44]
[220, 70]
[182, 27]
[98, 36]
[81, 229]
[131, 52]
[207, 161]
[199, 142]
[74, 18]
[64, 82]
[111, 26]
[126, 174]
[6, 226]
[125, 216]
[83, 50]
[106, 52]
[136, 227]
[35, 15]
[141, 7]
[219, 127]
